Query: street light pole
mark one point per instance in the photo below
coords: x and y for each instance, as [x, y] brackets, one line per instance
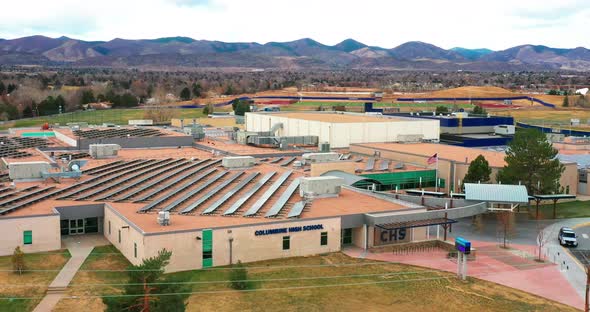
[586, 306]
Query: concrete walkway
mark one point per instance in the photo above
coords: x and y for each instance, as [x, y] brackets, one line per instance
[79, 247]
[514, 268]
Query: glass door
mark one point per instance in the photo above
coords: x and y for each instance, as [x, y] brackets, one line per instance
[76, 226]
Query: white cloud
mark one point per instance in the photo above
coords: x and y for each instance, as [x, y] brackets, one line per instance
[494, 24]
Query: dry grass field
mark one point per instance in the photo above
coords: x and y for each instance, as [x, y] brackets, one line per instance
[29, 284]
[292, 284]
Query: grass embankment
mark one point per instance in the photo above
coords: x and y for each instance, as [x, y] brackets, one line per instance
[116, 116]
[571, 209]
[386, 287]
[29, 284]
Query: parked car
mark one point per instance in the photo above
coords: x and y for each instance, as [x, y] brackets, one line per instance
[567, 237]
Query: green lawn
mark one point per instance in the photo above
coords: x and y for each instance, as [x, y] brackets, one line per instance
[388, 286]
[29, 284]
[571, 209]
[116, 116]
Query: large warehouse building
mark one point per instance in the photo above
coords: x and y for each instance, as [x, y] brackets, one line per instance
[342, 129]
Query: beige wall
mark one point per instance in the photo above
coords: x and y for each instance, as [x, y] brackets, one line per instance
[46, 234]
[358, 237]
[570, 178]
[247, 247]
[129, 236]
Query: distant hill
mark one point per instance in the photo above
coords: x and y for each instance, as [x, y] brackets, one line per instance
[184, 52]
[472, 54]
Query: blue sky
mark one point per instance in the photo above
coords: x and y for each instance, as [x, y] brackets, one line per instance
[497, 24]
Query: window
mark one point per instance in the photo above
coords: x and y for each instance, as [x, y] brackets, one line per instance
[286, 242]
[324, 239]
[346, 236]
[119, 236]
[135, 250]
[28, 237]
[109, 227]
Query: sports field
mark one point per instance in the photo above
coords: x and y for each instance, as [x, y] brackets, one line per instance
[330, 282]
[116, 116]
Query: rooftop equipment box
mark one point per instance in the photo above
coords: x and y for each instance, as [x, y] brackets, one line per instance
[320, 157]
[27, 170]
[141, 122]
[238, 162]
[99, 151]
[325, 186]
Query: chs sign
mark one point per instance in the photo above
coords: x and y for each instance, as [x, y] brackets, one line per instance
[384, 237]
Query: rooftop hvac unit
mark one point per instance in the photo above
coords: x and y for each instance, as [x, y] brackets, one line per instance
[164, 218]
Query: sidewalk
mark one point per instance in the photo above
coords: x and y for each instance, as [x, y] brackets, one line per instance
[514, 268]
[79, 247]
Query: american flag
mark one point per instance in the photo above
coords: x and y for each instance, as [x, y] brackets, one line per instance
[433, 159]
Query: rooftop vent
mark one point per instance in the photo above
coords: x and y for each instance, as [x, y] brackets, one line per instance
[164, 218]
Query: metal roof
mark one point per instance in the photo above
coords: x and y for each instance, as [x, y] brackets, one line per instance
[349, 179]
[582, 160]
[496, 193]
[415, 223]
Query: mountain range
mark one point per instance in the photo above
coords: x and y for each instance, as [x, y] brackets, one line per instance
[184, 52]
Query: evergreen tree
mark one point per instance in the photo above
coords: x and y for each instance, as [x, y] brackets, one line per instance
[241, 108]
[197, 89]
[11, 87]
[442, 110]
[478, 110]
[238, 277]
[18, 261]
[2, 88]
[145, 282]
[87, 97]
[566, 101]
[185, 94]
[531, 160]
[208, 109]
[479, 171]
[28, 112]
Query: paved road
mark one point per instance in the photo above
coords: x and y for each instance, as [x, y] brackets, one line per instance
[569, 266]
[583, 237]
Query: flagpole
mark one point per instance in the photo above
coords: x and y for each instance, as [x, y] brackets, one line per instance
[436, 181]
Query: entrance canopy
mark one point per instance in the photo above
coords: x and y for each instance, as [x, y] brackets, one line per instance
[415, 223]
[497, 193]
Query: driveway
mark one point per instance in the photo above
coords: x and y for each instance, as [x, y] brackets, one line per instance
[569, 266]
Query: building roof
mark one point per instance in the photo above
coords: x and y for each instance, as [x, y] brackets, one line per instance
[496, 193]
[338, 117]
[583, 160]
[445, 152]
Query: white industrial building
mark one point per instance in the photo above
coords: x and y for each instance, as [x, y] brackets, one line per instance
[341, 129]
